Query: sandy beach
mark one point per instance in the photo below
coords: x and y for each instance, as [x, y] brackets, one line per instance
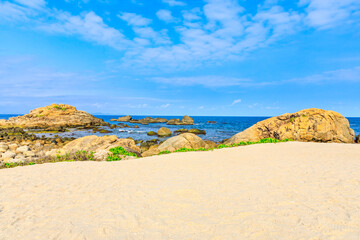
[266, 191]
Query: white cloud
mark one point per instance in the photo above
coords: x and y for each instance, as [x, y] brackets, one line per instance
[207, 81]
[165, 15]
[236, 101]
[134, 19]
[325, 14]
[173, 3]
[165, 105]
[90, 27]
[32, 3]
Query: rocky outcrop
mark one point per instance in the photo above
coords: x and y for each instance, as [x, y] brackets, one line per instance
[100, 145]
[185, 140]
[148, 120]
[357, 140]
[193, 130]
[164, 132]
[53, 117]
[122, 119]
[151, 133]
[186, 120]
[309, 125]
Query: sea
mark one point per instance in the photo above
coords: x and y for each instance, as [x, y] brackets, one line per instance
[225, 127]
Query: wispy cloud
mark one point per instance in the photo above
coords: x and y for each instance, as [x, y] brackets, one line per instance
[173, 3]
[236, 101]
[218, 31]
[207, 81]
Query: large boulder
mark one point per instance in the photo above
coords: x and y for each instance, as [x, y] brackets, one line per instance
[122, 119]
[55, 116]
[186, 120]
[164, 132]
[100, 145]
[357, 140]
[309, 125]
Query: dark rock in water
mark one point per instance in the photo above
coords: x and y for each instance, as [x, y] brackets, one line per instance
[151, 133]
[105, 131]
[122, 125]
[136, 126]
[211, 122]
[182, 130]
[113, 126]
[164, 132]
[122, 119]
[357, 140]
[197, 131]
[147, 120]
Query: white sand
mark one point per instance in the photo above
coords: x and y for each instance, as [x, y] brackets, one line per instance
[267, 191]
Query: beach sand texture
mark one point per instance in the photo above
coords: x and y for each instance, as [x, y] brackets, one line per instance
[266, 191]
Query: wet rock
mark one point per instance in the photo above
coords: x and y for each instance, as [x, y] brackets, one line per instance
[151, 133]
[182, 130]
[211, 122]
[197, 131]
[164, 132]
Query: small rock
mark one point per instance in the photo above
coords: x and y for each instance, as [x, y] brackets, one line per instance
[29, 154]
[23, 149]
[38, 145]
[151, 133]
[3, 148]
[197, 131]
[13, 146]
[357, 140]
[8, 154]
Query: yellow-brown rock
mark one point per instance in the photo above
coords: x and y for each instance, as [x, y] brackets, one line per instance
[53, 116]
[309, 125]
[100, 145]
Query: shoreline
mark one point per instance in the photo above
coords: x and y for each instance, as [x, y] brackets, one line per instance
[282, 191]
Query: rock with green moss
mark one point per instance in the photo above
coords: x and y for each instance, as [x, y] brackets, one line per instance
[164, 132]
[151, 133]
[197, 131]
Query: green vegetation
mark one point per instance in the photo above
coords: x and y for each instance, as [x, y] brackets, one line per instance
[116, 153]
[292, 119]
[60, 108]
[39, 115]
[265, 140]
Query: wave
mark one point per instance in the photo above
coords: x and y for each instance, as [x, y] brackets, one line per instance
[131, 131]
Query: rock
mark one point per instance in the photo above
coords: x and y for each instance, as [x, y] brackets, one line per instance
[186, 120]
[136, 126]
[309, 125]
[146, 145]
[8, 154]
[210, 144]
[23, 149]
[357, 140]
[211, 122]
[122, 119]
[113, 126]
[153, 150]
[151, 133]
[104, 131]
[175, 121]
[13, 146]
[182, 130]
[38, 145]
[3, 148]
[54, 116]
[185, 140]
[95, 144]
[164, 132]
[29, 154]
[197, 131]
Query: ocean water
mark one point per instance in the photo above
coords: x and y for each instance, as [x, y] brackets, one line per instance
[224, 128]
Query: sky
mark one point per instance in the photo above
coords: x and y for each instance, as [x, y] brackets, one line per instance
[177, 57]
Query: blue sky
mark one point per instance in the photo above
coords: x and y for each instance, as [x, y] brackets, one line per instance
[172, 57]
